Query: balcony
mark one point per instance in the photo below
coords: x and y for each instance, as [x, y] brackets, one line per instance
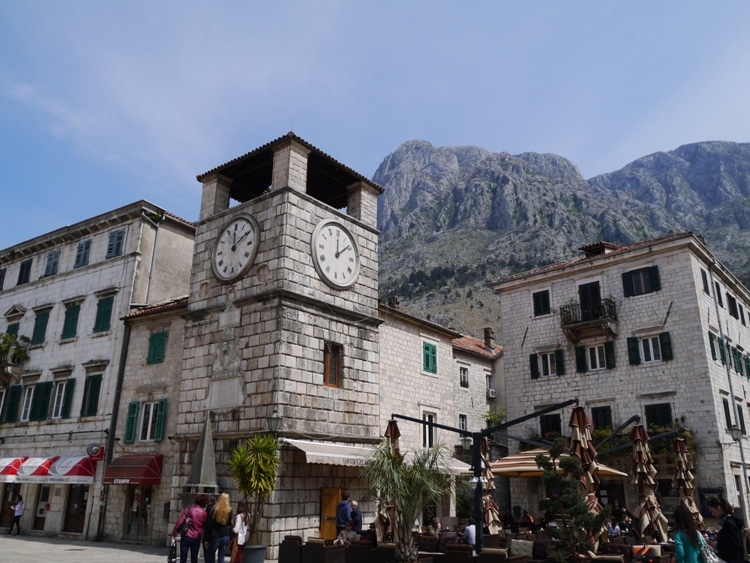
[589, 320]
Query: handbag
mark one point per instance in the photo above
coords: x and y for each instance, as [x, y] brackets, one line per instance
[184, 527]
[708, 555]
[172, 556]
[232, 550]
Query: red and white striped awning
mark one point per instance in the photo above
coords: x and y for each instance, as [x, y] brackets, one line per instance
[35, 469]
[9, 468]
[73, 470]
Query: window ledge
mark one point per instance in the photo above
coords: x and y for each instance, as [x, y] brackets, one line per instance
[100, 334]
[68, 340]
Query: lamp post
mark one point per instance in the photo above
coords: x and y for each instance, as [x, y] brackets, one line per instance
[274, 421]
[475, 438]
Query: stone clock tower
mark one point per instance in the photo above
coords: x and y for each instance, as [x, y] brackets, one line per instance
[283, 308]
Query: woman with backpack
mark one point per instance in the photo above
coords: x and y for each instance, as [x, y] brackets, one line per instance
[190, 527]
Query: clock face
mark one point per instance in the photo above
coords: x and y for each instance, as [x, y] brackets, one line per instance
[236, 247]
[335, 254]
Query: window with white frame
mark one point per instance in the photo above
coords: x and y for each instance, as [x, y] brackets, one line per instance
[429, 434]
[28, 397]
[490, 381]
[597, 358]
[463, 376]
[547, 365]
[541, 303]
[463, 422]
[650, 349]
[148, 421]
[2, 404]
[63, 394]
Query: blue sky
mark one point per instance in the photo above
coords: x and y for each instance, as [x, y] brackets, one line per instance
[105, 103]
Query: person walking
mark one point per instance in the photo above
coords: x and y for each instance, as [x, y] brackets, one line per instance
[729, 539]
[216, 530]
[343, 513]
[356, 517]
[687, 538]
[190, 540]
[17, 513]
[240, 528]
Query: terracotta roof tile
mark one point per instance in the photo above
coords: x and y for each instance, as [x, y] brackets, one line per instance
[164, 307]
[476, 346]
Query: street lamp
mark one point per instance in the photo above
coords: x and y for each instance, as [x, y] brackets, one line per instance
[735, 432]
[274, 421]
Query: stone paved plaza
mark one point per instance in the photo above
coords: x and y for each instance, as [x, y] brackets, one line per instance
[31, 549]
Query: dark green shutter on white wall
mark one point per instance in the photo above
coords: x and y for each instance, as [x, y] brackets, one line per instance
[429, 357]
[653, 274]
[722, 350]
[634, 353]
[627, 284]
[104, 314]
[534, 366]
[665, 342]
[70, 386]
[161, 417]
[560, 361]
[712, 343]
[609, 354]
[14, 399]
[131, 422]
[40, 327]
[40, 401]
[581, 365]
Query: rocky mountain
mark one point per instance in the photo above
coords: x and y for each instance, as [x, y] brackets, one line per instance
[454, 220]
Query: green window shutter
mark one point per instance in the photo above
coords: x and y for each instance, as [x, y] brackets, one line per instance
[156, 347]
[91, 389]
[132, 422]
[14, 400]
[560, 361]
[712, 343]
[609, 354]
[665, 342]
[161, 418]
[581, 365]
[114, 248]
[40, 327]
[722, 350]
[634, 354]
[534, 366]
[68, 398]
[40, 401]
[653, 273]
[727, 413]
[429, 357]
[737, 355]
[13, 328]
[70, 325]
[104, 314]
[627, 284]
[747, 366]
[741, 420]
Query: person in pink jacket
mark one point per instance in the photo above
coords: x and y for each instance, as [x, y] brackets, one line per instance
[191, 539]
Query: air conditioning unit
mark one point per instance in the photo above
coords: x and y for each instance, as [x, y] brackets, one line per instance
[490, 393]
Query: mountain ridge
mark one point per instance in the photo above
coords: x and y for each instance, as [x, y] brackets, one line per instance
[455, 219]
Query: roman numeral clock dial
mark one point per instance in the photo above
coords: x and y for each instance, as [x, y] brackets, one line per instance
[335, 254]
[235, 249]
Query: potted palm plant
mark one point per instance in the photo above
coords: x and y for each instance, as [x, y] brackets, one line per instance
[408, 485]
[254, 466]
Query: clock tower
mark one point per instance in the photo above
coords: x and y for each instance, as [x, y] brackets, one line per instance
[283, 307]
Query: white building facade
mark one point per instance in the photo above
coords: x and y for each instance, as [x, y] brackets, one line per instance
[658, 329]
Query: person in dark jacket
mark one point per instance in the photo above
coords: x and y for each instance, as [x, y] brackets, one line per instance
[191, 539]
[729, 539]
[217, 529]
[343, 513]
[356, 517]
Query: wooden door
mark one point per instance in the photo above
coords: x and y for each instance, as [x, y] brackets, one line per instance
[590, 299]
[75, 510]
[6, 512]
[42, 505]
[329, 501]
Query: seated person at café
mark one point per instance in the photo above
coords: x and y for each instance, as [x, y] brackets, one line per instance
[347, 535]
[469, 534]
[434, 528]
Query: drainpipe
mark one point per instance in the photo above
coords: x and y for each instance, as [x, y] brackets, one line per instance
[155, 225]
[109, 451]
[743, 486]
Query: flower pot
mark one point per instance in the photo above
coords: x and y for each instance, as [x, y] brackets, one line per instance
[254, 554]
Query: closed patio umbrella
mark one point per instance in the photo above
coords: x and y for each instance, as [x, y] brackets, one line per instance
[582, 446]
[684, 480]
[491, 510]
[649, 519]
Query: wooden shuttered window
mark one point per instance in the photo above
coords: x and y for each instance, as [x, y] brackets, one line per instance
[157, 345]
[40, 328]
[103, 320]
[429, 357]
[14, 401]
[131, 422]
[40, 401]
[640, 282]
[534, 365]
[91, 389]
[581, 363]
[70, 386]
[161, 419]
[712, 344]
[609, 354]
[560, 361]
[665, 342]
[70, 324]
[634, 353]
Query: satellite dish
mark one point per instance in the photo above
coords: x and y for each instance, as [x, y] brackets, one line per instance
[93, 450]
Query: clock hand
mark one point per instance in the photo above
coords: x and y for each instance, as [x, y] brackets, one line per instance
[242, 237]
[340, 252]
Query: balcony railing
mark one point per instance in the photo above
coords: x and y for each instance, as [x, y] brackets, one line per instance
[574, 313]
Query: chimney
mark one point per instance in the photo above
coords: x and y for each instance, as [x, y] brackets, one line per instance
[489, 338]
[393, 302]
